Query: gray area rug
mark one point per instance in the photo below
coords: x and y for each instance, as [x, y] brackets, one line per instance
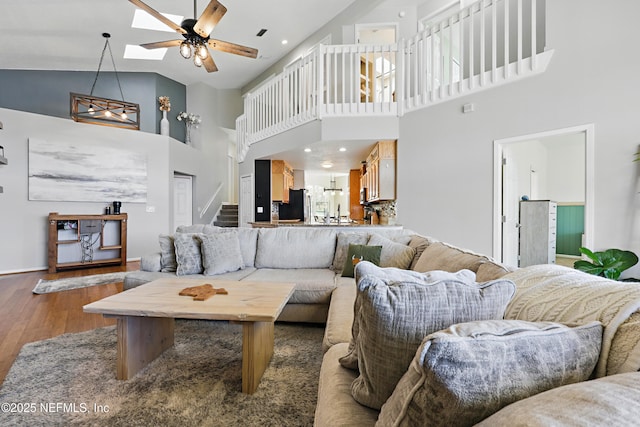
[57, 285]
[70, 380]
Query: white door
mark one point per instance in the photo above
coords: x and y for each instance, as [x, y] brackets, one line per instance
[245, 208]
[510, 210]
[182, 200]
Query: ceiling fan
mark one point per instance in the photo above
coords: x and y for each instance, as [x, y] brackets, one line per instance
[196, 35]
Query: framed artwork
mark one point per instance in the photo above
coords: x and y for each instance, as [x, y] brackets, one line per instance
[85, 172]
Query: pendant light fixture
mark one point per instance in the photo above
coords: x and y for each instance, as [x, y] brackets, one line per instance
[332, 188]
[105, 111]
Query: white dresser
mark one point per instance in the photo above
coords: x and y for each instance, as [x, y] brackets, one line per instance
[537, 232]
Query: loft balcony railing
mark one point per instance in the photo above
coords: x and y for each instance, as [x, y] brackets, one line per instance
[488, 43]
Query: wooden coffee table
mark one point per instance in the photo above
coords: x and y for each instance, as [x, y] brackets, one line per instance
[146, 317]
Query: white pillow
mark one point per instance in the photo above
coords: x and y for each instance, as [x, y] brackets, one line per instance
[395, 309]
[188, 256]
[221, 253]
[393, 254]
[463, 374]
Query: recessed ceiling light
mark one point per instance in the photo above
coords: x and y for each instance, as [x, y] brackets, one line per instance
[327, 165]
[343, 149]
[142, 19]
[285, 41]
[307, 150]
[133, 51]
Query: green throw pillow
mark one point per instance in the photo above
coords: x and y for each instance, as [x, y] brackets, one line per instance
[364, 252]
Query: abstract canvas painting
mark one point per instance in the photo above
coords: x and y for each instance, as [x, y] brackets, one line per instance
[85, 172]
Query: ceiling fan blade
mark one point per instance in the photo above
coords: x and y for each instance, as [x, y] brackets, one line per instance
[236, 49]
[160, 17]
[156, 45]
[209, 18]
[209, 64]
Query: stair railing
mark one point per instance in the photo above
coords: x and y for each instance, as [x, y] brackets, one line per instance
[203, 212]
[485, 44]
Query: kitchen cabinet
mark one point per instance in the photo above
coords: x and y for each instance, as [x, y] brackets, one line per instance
[356, 211]
[281, 180]
[537, 232]
[380, 177]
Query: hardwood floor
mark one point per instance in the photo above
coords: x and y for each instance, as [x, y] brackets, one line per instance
[26, 317]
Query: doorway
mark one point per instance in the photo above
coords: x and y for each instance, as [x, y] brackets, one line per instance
[555, 165]
[246, 204]
[182, 200]
[377, 69]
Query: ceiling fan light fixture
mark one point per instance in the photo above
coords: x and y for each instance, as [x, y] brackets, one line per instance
[185, 49]
[201, 51]
[196, 33]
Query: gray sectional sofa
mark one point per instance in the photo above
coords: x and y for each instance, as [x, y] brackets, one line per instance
[542, 345]
[305, 256]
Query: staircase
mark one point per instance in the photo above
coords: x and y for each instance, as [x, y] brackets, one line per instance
[228, 216]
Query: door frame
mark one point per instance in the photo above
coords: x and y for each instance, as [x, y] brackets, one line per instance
[589, 202]
[242, 207]
[189, 187]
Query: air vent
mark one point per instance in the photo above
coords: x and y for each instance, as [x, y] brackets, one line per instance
[261, 32]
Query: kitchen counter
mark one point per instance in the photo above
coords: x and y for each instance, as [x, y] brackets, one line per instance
[359, 227]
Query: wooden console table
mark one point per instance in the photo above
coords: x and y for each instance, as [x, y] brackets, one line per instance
[83, 241]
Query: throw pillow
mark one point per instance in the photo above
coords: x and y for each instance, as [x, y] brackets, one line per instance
[396, 309]
[363, 253]
[469, 371]
[613, 400]
[350, 360]
[440, 256]
[221, 253]
[342, 247]
[489, 270]
[168, 263]
[393, 254]
[419, 243]
[188, 254]
[248, 238]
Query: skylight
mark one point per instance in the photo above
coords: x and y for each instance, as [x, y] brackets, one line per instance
[132, 51]
[142, 19]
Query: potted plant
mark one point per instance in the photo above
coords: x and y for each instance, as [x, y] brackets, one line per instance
[610, 263]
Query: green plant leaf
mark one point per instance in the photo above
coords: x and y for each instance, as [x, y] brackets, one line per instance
[612, 273]
[588, 267]
[592, 256]
[610, 263]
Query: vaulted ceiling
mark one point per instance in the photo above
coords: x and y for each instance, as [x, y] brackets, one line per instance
[67, 35]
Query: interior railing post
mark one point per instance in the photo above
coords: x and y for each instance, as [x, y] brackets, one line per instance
[534, 52]
[319, 82]
[400, 61]
[506, 39]
[520, 42]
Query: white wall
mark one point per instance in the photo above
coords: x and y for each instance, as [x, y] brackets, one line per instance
[526, 157]
[566, 168]
[445, 165]
[218, 110]
[23, 226]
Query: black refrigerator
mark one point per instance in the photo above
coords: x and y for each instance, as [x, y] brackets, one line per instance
[295, 208]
